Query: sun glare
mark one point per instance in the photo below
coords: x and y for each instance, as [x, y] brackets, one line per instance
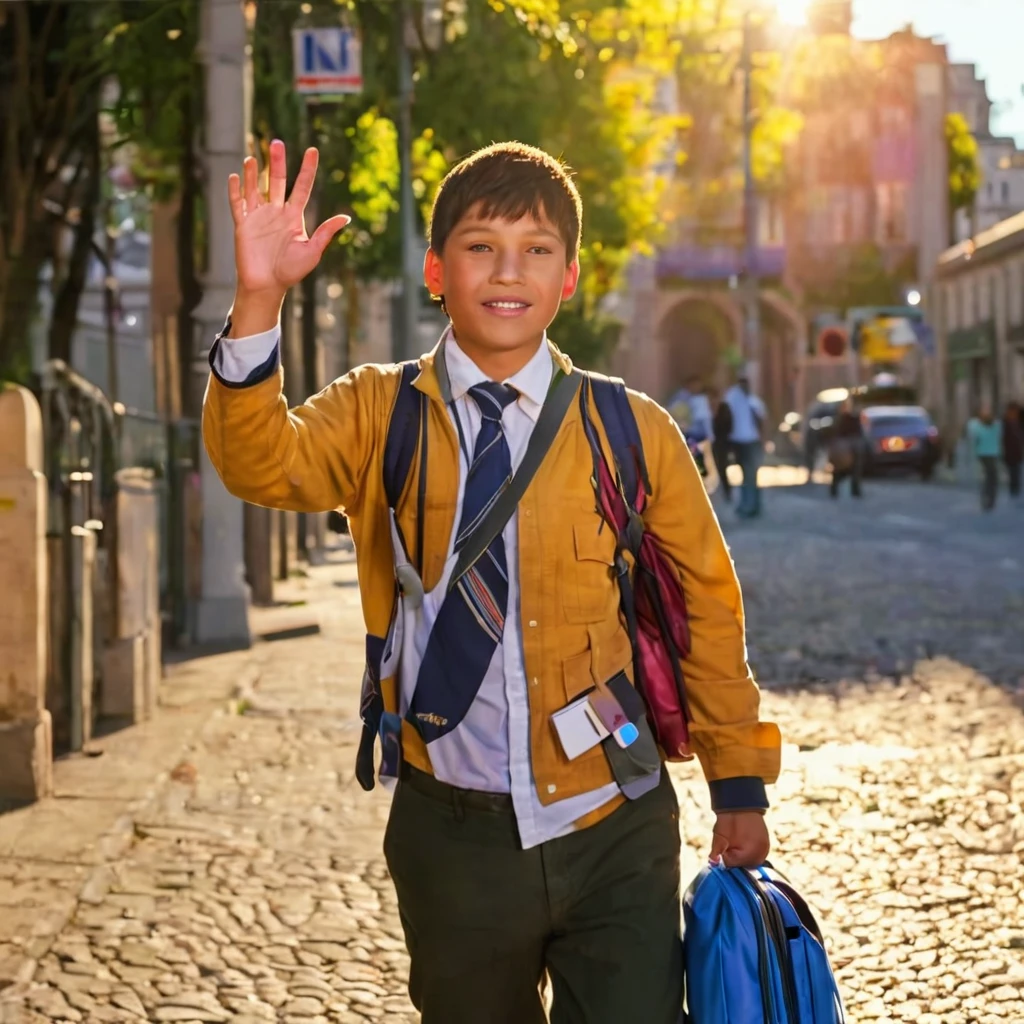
[792, 12]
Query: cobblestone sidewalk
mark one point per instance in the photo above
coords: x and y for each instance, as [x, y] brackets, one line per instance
[252, 887]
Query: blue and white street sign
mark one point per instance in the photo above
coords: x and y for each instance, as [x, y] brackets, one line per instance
[327, 60]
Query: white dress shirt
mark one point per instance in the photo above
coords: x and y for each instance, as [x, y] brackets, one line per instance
[490, 750]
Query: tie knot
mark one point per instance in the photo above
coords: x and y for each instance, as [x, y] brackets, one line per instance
[493, 398]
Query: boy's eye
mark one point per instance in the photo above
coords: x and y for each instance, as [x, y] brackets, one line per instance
[479, 247]
[540, 250]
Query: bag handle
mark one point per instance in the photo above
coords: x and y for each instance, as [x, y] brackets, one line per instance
[556, 404]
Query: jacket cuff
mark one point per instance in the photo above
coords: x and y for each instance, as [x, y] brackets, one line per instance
[743, 793]
[255, 376]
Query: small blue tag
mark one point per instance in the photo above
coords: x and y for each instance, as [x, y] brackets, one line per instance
[627, 734]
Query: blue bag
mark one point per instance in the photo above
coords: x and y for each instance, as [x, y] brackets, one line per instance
[754, 953]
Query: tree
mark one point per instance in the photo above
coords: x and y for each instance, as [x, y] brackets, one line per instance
[964, 168]
[50, 77]
[157, 112]
[64, 66]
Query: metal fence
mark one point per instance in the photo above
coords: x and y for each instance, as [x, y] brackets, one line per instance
[87, 440]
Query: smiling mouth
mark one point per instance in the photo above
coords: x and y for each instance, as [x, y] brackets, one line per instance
[507, 305]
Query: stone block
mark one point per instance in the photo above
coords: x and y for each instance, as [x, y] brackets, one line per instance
[123, 694]
[21, 429]
[23, 565]
[26, 758]
[83, 668]
[152, 660]
[137, 552]
[26, 734]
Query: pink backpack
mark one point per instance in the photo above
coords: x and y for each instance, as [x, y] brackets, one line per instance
[652, 600]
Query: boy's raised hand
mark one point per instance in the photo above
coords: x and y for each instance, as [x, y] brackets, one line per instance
[272, 250]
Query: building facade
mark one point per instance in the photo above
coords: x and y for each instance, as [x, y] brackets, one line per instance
[976, 303]
[863, 177]
[1002, 163]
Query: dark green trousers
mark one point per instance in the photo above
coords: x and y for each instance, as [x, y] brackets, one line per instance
[597, 912]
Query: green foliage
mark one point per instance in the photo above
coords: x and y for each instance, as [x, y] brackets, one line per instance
[149, 52]
[964, 168]
[373, 177]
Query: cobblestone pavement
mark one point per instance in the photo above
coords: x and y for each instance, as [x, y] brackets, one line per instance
[253, 887]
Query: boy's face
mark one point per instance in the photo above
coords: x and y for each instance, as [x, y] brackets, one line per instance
[502, 280]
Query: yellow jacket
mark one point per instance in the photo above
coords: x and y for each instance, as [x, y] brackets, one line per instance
[327, 453]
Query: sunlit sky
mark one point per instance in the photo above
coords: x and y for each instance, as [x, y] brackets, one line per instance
[988, 33]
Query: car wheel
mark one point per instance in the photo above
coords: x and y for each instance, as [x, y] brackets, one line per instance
[927, 472]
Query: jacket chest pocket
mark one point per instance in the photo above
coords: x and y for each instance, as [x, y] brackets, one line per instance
[589, 590]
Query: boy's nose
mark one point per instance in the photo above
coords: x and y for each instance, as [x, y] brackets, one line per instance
[508, 268]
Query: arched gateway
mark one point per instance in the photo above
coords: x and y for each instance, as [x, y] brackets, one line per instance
[676, 335]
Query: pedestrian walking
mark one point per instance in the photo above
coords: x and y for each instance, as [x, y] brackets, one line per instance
[698, 427]
[748, 416]
[721, 448]
[846, 450]
[1013, 446]
[985, 434]
[520, 846]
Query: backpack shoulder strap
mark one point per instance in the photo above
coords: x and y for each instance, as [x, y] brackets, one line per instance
[612, 402]
[407, 427]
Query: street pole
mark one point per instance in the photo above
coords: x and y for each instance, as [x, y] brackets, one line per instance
[751, 285]
[405, 338]
[221, 615]
[311, 525]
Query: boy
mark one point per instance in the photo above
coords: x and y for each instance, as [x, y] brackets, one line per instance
[509, 859]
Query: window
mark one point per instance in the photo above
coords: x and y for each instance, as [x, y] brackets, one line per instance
[967, 307]
[1015, 289]
[839, 216]
[858, 215]
[894, 119]
[951, 310]
[892, 212]
[1004, 191]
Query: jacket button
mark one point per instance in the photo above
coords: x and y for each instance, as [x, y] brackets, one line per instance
[552, 787]
[533, 622]
[535, 680]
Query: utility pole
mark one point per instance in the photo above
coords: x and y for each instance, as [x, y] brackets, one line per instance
[751, 284]
[110, 289]
[405, 338]
[310, 525]
[222, 613]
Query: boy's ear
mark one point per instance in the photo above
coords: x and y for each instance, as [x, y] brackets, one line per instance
[571, 280]
[433, 273]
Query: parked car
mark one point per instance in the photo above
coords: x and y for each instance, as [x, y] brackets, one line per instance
[807, 436]
[900, 437]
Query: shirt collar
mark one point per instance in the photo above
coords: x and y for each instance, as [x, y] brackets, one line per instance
[532, 381]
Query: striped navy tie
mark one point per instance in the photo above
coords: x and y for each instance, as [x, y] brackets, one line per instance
[471, 618]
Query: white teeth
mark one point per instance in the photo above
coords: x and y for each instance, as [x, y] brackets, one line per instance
[507, 305]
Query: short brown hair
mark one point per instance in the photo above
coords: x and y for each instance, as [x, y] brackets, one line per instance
[509, 180]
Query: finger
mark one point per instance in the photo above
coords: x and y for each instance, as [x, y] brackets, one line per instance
[323, 234]
[719, 844]
[235, 199]
[304, 182]
[747, 855]
[250, 173]
[278, 173]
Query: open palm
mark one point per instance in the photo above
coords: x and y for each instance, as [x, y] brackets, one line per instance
[272, 250]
